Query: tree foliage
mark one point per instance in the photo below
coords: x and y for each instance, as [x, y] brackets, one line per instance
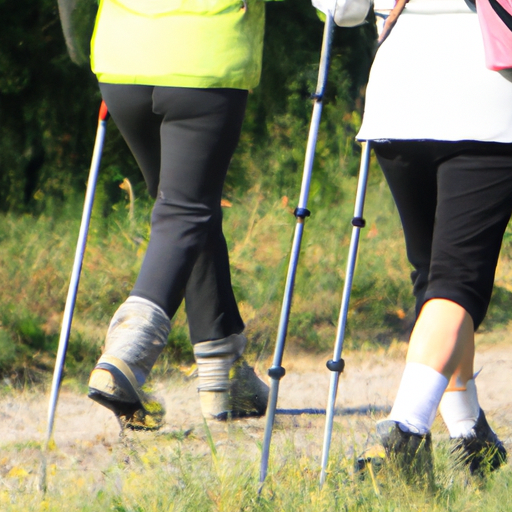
[48, 106]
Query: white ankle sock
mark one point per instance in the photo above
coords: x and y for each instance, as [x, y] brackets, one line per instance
[460, 409]
[418, 397]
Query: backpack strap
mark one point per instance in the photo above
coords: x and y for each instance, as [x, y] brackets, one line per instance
[505, 16]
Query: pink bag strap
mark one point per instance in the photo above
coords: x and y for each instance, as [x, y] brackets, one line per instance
[495, 17]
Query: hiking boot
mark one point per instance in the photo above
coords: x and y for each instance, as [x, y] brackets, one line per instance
[113, 385]
[480, 450]
[136, 337]
[228, 386]
[248, 394]
[409, 453]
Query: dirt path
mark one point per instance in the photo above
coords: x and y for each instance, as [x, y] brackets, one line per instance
[86, 432]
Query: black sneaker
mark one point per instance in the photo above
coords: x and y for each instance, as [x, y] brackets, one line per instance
[480, 450]
[410, 453]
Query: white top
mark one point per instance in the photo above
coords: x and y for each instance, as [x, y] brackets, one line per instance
[429, 80]
[383, 5]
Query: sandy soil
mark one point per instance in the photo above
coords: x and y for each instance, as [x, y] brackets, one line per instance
[85, 432]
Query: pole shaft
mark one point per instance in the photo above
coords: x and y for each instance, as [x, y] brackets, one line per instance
[75, 273]
[342, 321]
[299, 228]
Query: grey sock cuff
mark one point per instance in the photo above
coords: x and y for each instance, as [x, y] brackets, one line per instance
[232, 345]
[214, 361]
[137, 335]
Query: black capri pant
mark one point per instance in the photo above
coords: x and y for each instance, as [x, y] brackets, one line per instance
[183, 140]
[454, 201]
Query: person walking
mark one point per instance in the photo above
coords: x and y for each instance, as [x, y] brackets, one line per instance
[175, 78]
[440, 125]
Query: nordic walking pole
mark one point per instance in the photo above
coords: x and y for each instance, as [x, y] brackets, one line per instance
[276, 372]
[336, 364]
[77, 268]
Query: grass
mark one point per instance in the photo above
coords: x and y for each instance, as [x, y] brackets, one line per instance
[36, 256]
[148, 473]
[196, 469]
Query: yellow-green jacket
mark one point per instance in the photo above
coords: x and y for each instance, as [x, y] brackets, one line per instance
[179, 43]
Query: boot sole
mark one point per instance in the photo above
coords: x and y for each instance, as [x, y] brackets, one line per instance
[131, 412]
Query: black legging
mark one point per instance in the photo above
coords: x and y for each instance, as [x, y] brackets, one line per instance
[183, 140]
[454, 200]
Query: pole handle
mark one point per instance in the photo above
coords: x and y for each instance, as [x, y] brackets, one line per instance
[104, 113]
